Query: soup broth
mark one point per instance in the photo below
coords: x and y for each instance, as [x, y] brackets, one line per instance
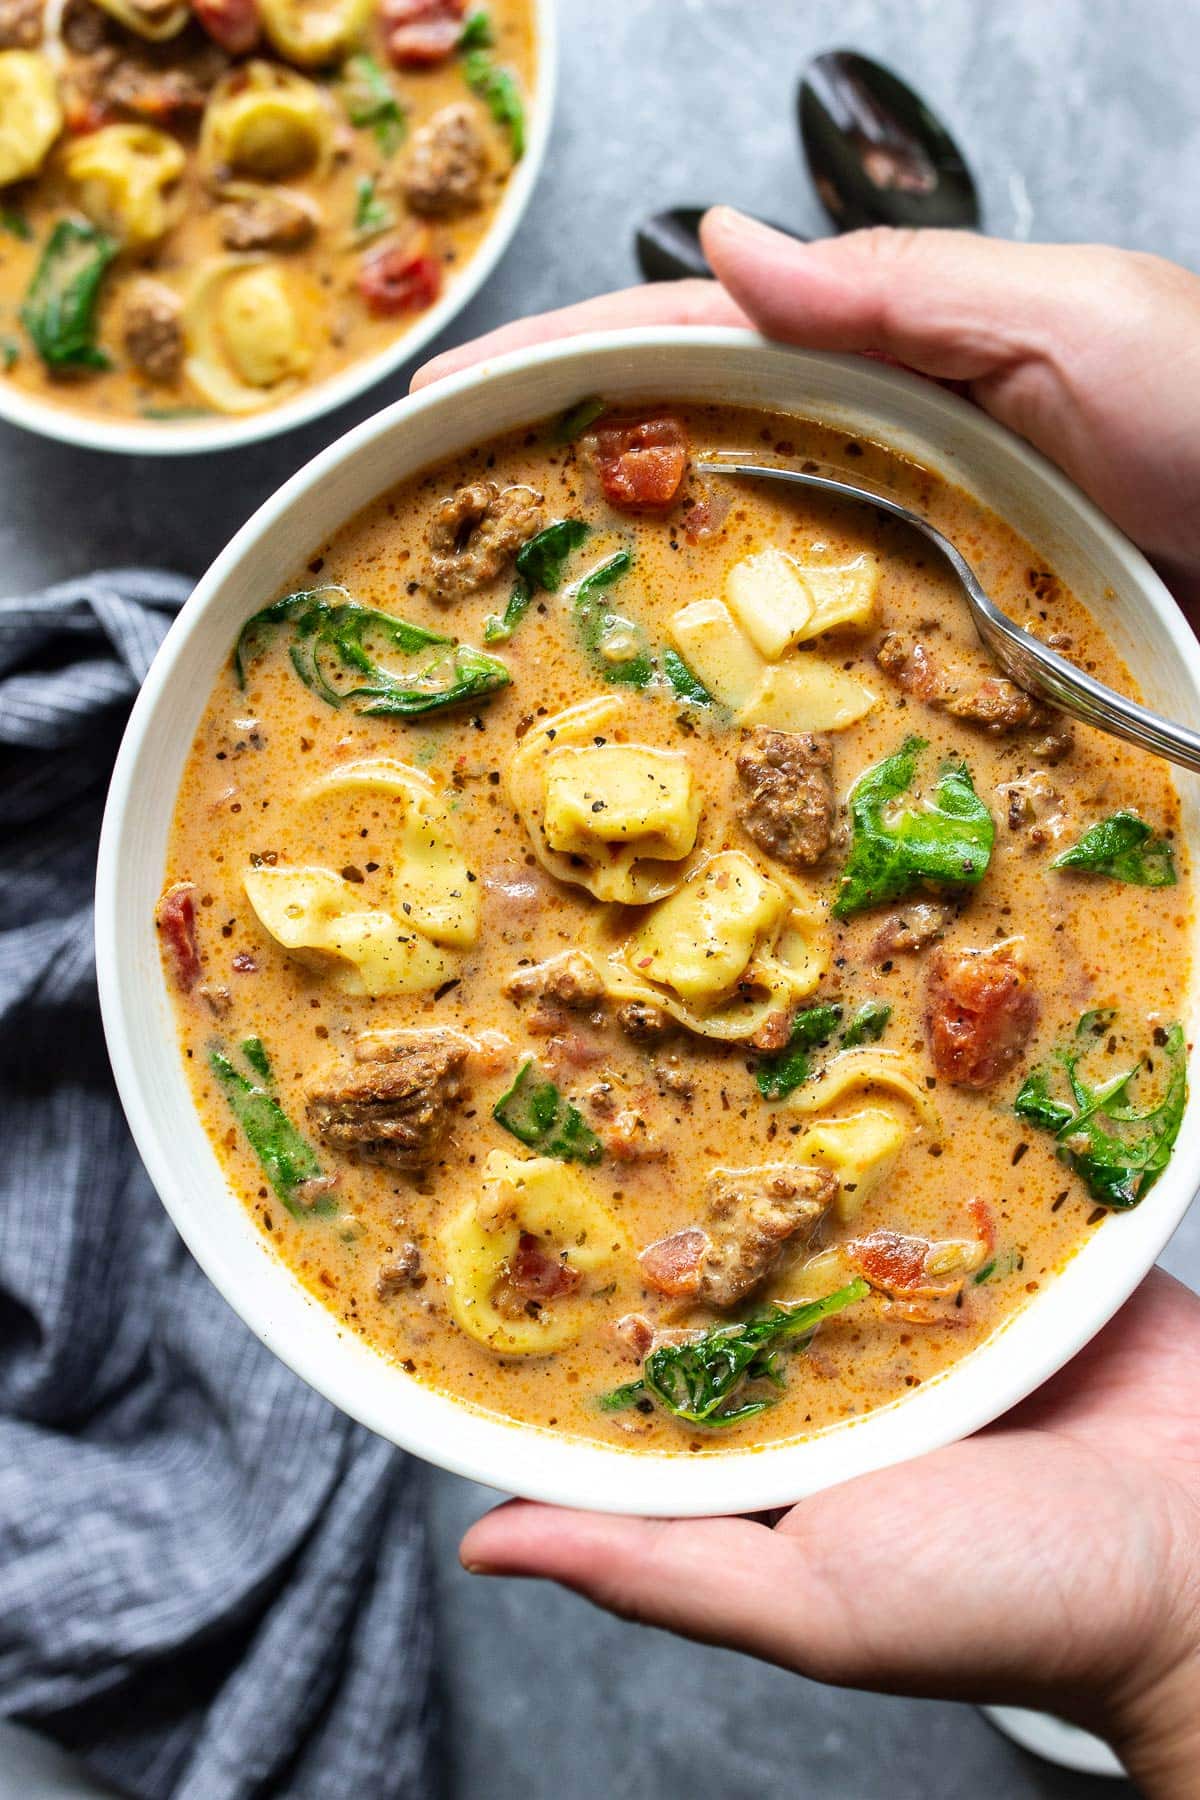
[682, 951]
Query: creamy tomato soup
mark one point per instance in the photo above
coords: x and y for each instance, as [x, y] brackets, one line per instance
[643, 968]
[207, 205]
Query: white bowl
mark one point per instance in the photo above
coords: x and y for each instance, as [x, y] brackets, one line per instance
[137, 438]
[860, 396]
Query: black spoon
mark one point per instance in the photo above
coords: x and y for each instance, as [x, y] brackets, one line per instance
[668, 244]
[876, 153]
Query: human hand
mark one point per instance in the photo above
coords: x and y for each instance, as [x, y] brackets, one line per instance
[1091, 354]
[1053, 1560]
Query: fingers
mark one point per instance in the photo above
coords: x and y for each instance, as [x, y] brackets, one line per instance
[909, 1581]
[717, 1580]
[663, 303]
[949, 303]
[1075, 347]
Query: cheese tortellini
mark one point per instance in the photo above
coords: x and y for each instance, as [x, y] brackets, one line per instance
[617, 819]
[434, 885]
[861, 1148]
[31, 114]
[266, 122]
[431, 909]
[154, 20]
[741, 646]
[314, 32]
[727, 949]
[320, 919]
[780, 603]
[862, 1071]
[126, 178]
[551, 1202]
[245, 333]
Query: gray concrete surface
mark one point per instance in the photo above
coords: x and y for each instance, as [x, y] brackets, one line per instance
[1081, 122]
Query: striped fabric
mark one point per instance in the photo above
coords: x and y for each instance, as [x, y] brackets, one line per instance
[212, 1585]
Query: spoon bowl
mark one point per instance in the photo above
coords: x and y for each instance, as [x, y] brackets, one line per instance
[876, 152]
[1023, 657]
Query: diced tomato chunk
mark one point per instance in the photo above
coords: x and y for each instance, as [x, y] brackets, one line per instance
[538, 1274]
[422, 46]
[421, 33]
[176, 920]
[980, 1010]
[914, 1267]
[84, 115]
[636, 1333]
[412, 12]
[399, 279]
[890, 1260]
[675, 1264]
[234, 24]
[985, 1225]
[569, 1051]
[641, 463]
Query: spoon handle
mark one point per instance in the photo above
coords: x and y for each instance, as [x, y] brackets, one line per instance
[1032, 664]
[1041, 670]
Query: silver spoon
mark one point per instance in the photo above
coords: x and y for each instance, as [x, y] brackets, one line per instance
[1030, 663]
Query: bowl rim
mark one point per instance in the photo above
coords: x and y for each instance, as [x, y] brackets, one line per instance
[128, 437]
[534, 1461]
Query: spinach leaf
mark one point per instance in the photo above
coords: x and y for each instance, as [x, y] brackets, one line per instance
[255, 1053]
[868, 1024]
[59, 312]
[16, 224]
[540, 564]
[619, 646]
[477, 33]
[1117, 1151]
[686, 685]
[778, 1075]
[371, 214]
[543, 559]
[700, 1382]
[1124, 848]
[947, 840]
[537, 1115]
[617, 1399]
[10, 351]
[328, 633]
[369, 100]
[575, 421]
[999, 1267]
[604, 631]
[499, 627]
[288, 1159]
[498, 90]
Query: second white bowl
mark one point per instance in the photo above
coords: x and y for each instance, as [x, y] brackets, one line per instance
[191, 437]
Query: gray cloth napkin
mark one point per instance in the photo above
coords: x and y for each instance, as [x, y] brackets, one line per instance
[213, 1586]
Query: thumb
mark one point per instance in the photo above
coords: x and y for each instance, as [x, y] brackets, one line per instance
[1092, 354]
[949, 303]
